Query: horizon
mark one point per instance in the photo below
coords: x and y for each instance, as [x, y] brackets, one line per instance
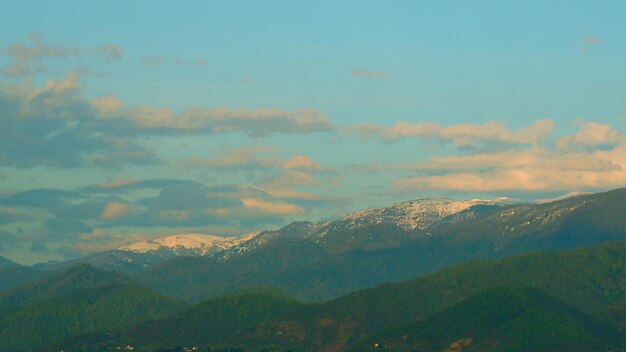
[123, 122]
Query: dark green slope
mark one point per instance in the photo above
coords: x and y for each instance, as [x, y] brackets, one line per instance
[364, 256]
[501, 319]
[569, 223]
[591, 279]
[14, 276]
[617, 315]
[75, 278]
[200, 278]
[114, 306]
[6, 263]
[217, 322]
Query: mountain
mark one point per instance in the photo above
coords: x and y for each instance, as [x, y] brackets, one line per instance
[320, 261]
[137, 257]
[187, 245]
[13, 274]
[500, 319]
[219, 321]
[416, 214]
[337, 236]
[592, 280]
[581, 220]
[109, 307]
[527, 302]
[62, 283]
[6, 263]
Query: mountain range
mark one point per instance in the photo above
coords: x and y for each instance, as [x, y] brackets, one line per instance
[550, 301]
[327, 286]
[316, 261]
[319, 261]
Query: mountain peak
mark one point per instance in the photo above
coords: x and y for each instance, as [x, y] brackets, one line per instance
[187, 244]
[563, 197]
[419, 213]
[7, 263]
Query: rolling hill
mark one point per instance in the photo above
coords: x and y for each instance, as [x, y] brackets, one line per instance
[578, 293]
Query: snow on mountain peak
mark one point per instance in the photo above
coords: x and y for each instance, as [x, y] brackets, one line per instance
[416, 213]
[188, 244]
[565, 196]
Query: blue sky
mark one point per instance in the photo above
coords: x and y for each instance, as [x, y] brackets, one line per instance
[121, 121]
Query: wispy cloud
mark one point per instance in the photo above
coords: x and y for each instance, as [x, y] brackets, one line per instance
[458, 134]
[258, 122]
[365, 73]
[26, 58]
[592, 158]
[111, 52]
[83, 221]
[54, 125]
[154, 60]
[590, 40]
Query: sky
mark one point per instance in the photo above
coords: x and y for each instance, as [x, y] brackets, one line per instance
[122, 121]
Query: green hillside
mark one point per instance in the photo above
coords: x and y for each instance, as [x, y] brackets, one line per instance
[75, 278]
[15, 276]
[500, 319]
[353, 257]
[591, 280]
[110, 307]
[217, 322]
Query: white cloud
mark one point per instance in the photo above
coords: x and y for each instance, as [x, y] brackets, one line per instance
[111, 52]
[254, 122]
[575, 162]
[365, 73]
[592, 135]
[25, 59]
[459, 134]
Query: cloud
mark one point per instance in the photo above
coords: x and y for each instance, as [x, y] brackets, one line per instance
[288, 178]
[258, 122]
[25, 59]
[7, 240]
[590, 40]
[94, 218]
[272, 207]
[53, 125]
[365, 73]
[591, 136]
[256, 158]
[242, 158]
[127, 185]
[115, 210]
[100, 239]
[106, 105]
[154, 60]
[40, 198]
[111, 52]
[471, 135]
[593, 158]
[275, 175]
[301, 162]
[10, 215]
[227, 206]
[150, 61]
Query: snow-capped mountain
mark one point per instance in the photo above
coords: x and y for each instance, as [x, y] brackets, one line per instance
[415, 214]
[187, 244]
[565, 196]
